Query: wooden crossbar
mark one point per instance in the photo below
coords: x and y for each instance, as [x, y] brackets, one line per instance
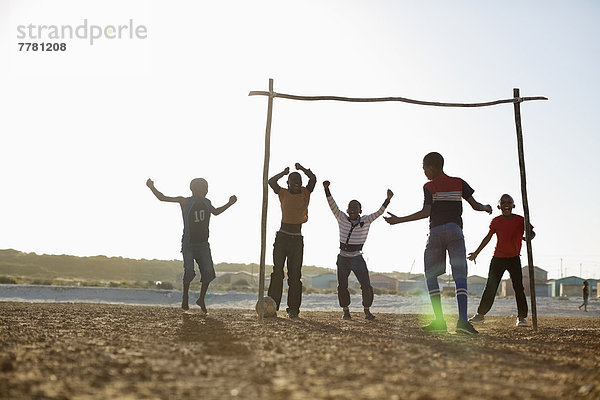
[383, 99]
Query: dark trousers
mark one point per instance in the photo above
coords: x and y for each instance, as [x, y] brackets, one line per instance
[290, 247]
[357, 264]
[497, 267]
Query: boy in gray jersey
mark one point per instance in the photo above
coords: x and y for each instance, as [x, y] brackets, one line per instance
[196, 211]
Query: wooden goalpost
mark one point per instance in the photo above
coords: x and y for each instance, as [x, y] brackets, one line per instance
[516, 100]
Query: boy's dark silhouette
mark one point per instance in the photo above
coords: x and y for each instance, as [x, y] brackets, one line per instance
[289, 243]
[443, 205]
[586, 295]
[196, 211]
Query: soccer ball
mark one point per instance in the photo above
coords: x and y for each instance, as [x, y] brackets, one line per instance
[269, 307]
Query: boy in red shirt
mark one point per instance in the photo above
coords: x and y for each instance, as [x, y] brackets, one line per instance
[509, 229]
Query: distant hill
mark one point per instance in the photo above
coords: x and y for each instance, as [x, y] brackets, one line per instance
[32, 266]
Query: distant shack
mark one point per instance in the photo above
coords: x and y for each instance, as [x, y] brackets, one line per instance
[542, 287]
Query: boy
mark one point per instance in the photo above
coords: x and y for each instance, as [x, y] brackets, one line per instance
[509, 229]
[443, 206]
[586, 295]
[196, 211]
[289, 243]
[353, 234]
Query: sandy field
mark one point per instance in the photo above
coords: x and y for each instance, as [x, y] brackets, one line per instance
[99, 351]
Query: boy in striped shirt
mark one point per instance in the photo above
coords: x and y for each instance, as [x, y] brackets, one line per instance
[353, 234]
[443, 205]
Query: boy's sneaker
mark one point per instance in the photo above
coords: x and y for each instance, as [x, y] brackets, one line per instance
[465, 327]
[369, 316]
[477, 319]
[436, 326]
[292, 314]
[346, 315]
[522, 322]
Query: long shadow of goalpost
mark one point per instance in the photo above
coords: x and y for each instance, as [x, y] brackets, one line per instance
[516, 100]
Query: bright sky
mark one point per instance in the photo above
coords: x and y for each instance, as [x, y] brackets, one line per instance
[83, 129]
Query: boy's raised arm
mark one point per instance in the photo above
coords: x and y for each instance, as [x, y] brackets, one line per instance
[160, 196]
[386, 202]
[472, 256]
[332, 204]
[390, 194]
[273, 180]
[219, 210]
[312, 179]
[424, 213]
[477, 206]
[326, 187]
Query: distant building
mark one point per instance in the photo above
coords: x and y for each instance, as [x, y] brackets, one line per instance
[541, 275]
[571, 286]
[448, 290]
[542, 287]
[447, 286]
[329, 280]
[324, 281]
[241, 278]
[571, 290]
[383, 282]
[476, 285]
[411, 285]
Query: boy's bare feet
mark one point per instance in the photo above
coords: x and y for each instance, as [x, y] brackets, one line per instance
[185, 297]
[200, 302]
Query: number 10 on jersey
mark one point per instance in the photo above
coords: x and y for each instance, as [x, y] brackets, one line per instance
[199, 215]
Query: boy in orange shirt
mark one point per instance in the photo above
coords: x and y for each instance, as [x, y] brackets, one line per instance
[509, 229]
[289, 242]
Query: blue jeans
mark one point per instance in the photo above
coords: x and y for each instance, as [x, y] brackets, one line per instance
[446, 238]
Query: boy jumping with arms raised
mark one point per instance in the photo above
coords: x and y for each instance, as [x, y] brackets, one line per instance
[353, 234]
[443, 205]
[289, 242]
[509, 229]
[196, 211]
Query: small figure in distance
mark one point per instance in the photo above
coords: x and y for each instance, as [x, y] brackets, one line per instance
[509, 229]
[586, 295]
[196, 211]
[353, 234]
[289, 242]
[443, 205]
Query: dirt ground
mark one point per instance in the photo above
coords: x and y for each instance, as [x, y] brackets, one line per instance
[95, 351]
